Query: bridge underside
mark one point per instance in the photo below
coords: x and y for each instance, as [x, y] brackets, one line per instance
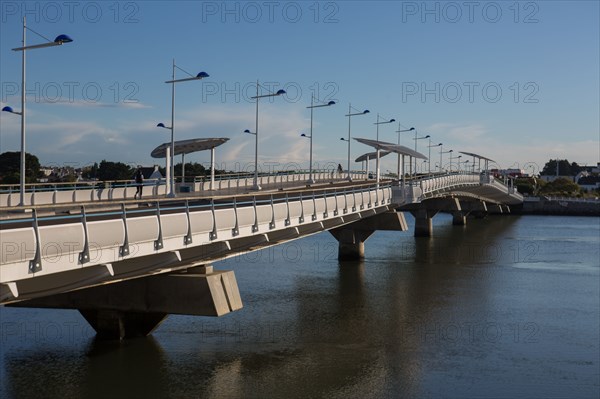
[460, 207]
[132, 297]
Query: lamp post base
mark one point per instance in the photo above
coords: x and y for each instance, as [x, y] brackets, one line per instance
[256, 187]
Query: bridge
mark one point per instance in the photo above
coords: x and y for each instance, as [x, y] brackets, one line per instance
[126, 264]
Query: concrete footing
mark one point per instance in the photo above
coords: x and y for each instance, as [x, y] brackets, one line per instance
[114, 324]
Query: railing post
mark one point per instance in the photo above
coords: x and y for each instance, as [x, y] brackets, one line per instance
[124, 249]
[213, 234]
[236, 230]
[287, 206]
[158, 244]
[35, 265]
[84, 255]
[188, 237]
[272, 223]
[325, 214]
[314, 215]
[255, 225]
[301, 219]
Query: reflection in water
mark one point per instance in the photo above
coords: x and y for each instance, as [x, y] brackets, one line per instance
[484, 311]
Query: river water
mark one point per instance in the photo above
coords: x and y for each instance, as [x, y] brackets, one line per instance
[506, 307]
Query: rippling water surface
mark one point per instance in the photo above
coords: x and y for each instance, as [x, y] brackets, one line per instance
[505, 307]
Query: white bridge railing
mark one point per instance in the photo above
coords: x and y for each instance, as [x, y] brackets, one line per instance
[43, 245]
[422, 187]
[45, 194]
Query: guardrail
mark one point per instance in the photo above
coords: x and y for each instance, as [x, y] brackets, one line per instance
[61, 193]
[42, 245]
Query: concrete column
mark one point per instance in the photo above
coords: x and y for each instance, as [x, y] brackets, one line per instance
[351, 243]
[459, 218]
[115, 324]
[423, 222]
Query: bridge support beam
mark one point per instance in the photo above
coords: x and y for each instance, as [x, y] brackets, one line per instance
[495, 209]
[136, 307]
[352, 237]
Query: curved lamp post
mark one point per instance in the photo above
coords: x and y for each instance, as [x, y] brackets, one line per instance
[416, 140]
[401, 156]
[443, 152]
[430, 146]
[378, 156]
[312, 106]
[255, 185]
[58, 41]
[199, 76]
[350, 115]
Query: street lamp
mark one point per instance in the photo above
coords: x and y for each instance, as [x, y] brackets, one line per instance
[330, 103]
[401, 131]
[377, 156]
[199, 76]
[429, 146]
[458, 160]
[58, 41]
[416, 139]
[255, 185]
[443, 152]
[350, 115]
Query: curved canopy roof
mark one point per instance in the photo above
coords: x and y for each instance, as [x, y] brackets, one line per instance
[371, 156]
[476, 156]
[188, 146]
[398, 149]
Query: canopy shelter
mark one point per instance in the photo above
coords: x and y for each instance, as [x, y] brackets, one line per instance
[401, 150]
[479, 158]
[188, 146]
[368, 156]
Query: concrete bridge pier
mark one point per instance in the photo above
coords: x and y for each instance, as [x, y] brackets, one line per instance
[115, 324]
[426, 210]
[352, 237]
[423, 221]
[459, 218]
[351, 243]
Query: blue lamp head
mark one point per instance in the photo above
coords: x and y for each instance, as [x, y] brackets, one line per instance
[8, 109]
[366, 111]
[202, 75]
[392, 120]
[161, 125]
[331, 103]
[280, 92]
[412, 128]
[303, 135]
[63, 39]
[247, 131]
[428, 136]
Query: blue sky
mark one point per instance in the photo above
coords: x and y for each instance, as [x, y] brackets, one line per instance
[515, 81]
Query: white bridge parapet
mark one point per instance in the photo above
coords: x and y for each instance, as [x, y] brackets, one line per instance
[485, 186]
[53, 253]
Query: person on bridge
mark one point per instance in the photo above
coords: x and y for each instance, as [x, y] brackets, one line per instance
[139, 181]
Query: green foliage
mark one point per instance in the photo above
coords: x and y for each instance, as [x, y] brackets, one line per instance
[561, 187]
[191, 169]
[10, 167]
[526, 185]
[114, 171]
[564, 168]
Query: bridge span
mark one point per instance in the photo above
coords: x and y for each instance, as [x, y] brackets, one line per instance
[125, 264]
